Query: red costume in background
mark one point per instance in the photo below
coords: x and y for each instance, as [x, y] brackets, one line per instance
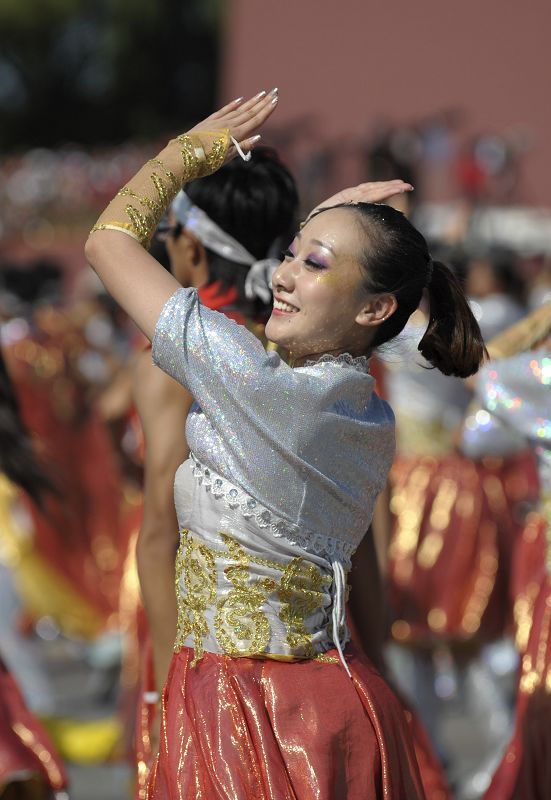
[26, 752]
[72, 571]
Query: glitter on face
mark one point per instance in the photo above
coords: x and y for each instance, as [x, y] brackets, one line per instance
[321, 277]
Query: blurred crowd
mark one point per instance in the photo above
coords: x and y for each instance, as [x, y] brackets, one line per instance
[68, 572]
[61, 188]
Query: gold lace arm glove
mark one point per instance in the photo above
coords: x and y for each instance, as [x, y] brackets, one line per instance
[139, 206]
[524, 335]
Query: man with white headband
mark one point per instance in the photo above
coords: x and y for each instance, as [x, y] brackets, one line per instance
[259, 276]
[226, 256]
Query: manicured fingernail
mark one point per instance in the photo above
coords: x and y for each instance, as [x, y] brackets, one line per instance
[275, 99]
[254, 139]
[238, 100]
[274, 90]
[259, 95]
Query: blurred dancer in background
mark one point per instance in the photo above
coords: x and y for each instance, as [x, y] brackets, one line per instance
[70, 569]
[66, 556]
[287, 464]
[455, 522]
[29, 765]
[497, 291]
[514, 391]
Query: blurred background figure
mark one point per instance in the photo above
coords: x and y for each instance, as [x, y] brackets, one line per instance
[72, 573]
[455, 521]
[30, 766]
[86, 93]
[513, 392]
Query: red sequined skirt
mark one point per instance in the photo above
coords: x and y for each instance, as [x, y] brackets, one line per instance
[260, 729]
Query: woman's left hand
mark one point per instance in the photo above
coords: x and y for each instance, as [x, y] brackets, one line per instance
[374, 192]
[243, 118]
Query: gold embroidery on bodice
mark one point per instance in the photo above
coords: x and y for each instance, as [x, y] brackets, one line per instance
[195, 566]
[241, 626]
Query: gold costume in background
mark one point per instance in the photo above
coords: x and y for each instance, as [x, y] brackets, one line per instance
[525, 335]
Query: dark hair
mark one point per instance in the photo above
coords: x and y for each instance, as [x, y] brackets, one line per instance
[505, 269]
[18, 460]
[254, 201]
[36, 282]
[397, 261]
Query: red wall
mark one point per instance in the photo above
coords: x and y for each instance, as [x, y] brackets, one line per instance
[354, 61]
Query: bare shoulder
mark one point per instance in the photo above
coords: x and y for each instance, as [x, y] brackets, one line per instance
[162, 405]
[151, 386]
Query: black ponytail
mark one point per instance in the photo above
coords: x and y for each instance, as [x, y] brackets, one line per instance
[396, 261]
[18, 460]
[452, 342]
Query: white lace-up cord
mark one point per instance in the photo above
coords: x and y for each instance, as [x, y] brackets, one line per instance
[244, 156]
[338, 591]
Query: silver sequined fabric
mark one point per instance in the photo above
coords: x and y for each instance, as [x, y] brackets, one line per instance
[517, 391]
[313, 445]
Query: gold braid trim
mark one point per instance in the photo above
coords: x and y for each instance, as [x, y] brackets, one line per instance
[138, 207]
[524, 335]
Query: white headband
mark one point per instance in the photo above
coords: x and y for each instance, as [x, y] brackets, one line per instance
[208, 232]
[258, 282]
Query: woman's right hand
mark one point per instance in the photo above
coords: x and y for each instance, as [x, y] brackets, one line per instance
[243, 118]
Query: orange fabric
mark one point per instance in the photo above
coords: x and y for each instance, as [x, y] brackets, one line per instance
[431, 771]
[77, 533]
[525, 769]
[224, 300]
[455, 527]
[146, 717]
[24, 744]
[377, 370]
[259, 729]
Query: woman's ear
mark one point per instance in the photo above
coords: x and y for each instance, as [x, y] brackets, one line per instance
[377, 309]
[191, 249]
[197, 252]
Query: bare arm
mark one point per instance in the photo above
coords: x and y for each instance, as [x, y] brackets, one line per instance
[367, 606]
[115, 249]
[382, 529]
[163, 407]
[115, 400]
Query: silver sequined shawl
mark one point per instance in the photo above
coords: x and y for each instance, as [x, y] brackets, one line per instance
[306, 449]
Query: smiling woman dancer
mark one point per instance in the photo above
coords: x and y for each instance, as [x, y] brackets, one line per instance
[263, 699]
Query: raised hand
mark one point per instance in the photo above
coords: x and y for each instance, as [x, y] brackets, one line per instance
[374, 192]
[243, 118]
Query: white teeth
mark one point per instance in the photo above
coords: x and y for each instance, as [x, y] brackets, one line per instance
[281, 306]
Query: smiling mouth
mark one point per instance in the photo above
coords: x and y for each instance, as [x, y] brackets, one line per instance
[284, 308]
